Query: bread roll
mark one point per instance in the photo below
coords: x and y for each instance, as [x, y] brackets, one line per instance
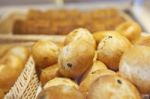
[135, 66]
[75, 58]
[49, 73]
[11, 66]
[111, 48]
[60, 92]
[130, 30]
[90, 78]
[112, 87]
[45, 53]
[61, 81]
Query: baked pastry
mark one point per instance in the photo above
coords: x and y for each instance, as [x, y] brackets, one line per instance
[11, 65]
[45, 53]
[111, 48]
[90, 78]
[135, 66]
[130, 30]
[113, 87]
[75, 58]
[60, 92]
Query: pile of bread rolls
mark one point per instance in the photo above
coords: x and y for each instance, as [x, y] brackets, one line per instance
[102, 65]
[12, 62]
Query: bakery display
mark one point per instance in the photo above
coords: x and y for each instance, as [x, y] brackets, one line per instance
[135, 66]
[61, 21]
[113, 87]
[102, 55]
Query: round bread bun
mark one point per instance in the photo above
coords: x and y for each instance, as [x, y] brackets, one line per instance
[75, 58]
[112, 87]
[135, 66]
[49, 73]
[97, 65]
[80, 33]
[45, 53]
[98, 36]
[111, 48]
[61, 81]
[9, 71]
[11, 65]
[90, 78]
[144, 40]
[60, 92]
[130, 30]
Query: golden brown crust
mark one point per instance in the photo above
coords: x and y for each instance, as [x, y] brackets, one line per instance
[135, 66]
[113, 87]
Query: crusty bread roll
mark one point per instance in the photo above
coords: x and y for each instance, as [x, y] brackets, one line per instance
[90, 78]
[11, 66]
[45, 53]
[80, 33]
[130, 30]
[112, 87]
[61, 81]
[60, 92]
[75, 58]
[111, 48]
[135, 66]
[49, 73]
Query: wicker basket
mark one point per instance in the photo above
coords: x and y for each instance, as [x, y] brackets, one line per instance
[26, 85]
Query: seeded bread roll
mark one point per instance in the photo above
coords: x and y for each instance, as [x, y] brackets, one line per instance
[111, 48]
[113, 87]
[60, 92]
[75, 58]
[90, 78]
[135, 66]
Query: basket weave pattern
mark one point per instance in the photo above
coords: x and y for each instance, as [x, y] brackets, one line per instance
[26, 85]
